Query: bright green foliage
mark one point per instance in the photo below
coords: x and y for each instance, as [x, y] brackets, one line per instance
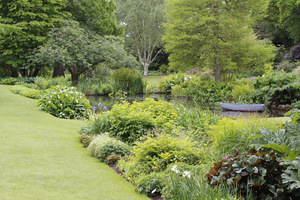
[154, 154]
[214, 34]
[9, 81]
[129, 122]
[80, 50]
[151, 184]
[64, 102]
[46, 83]
[143, 28]
[86, 139]
[242, 90]
[277, 88]
[127, 80]
[187, 183]
[291, 176]
[27, 92]
[96, 15]
[285, 140]
[258, 173]
[24, 26]
[103, 146]
[289, 17]
[231, 134]
[170, 81]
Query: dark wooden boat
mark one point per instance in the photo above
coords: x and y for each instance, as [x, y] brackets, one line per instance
[243, 107]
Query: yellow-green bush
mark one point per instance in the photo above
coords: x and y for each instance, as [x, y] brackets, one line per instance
[231, 134]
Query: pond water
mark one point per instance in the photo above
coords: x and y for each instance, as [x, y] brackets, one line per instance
[106, 102]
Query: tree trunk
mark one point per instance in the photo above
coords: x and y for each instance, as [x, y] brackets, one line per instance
[36, 71]
[217, 72]
[58, 70]
[146, 67]
[24, 72]
[75, 78]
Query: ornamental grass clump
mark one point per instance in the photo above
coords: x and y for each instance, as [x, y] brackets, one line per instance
[65, 102]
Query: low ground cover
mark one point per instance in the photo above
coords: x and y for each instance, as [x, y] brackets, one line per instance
[41, 157]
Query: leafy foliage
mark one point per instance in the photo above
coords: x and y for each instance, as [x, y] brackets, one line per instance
[285, 141]
[103, 146]
[127, 80]
[46, 83]
[64, 102]
[129, 122]
[277, 88]
[151, 184]
[27, 92]
[170, 81]
[291, 176]
[154, 154]
[8, 81]
[231, 134]
[86, 139]
[259, 172]
[24, 26]
[80, 50]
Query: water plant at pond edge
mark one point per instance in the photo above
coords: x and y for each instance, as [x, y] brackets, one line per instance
[128, 122]
[64, 102]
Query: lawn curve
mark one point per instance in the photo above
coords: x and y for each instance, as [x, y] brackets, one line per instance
[41, 158]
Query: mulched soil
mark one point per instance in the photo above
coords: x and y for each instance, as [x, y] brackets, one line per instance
[113, 166]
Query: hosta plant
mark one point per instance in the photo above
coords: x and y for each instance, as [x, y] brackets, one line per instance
[65, 102]
[252, 172]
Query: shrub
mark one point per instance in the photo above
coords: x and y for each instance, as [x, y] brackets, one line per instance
[277, 88]
[154, 154]
[294, 54]
[9, 81]
[27, 92]
[112, 159]
[46, 83]
[127, 80]
[231, 134]
[86, 139]
[129, 122]
[291, 176]
[151, 184]
[187, 183]
[64, 102]
[258, 172]
[168, 82]
[242, 90]
[103, 146]
[297, 71]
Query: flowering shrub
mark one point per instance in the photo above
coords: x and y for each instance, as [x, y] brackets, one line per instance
[64, 102]
[294, 54]
[168, 82]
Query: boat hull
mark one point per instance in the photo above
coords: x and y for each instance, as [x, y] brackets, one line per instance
[243, 107]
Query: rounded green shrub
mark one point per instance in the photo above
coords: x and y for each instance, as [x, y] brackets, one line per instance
[103, 146]
[151, 184]
[65, 102]
[27, 92]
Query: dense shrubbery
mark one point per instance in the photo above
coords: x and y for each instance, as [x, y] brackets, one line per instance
[277, 88]
[103, 146]
[27, 92]
[129, 122]
[46, 83]
[127, 80]
[64, 102]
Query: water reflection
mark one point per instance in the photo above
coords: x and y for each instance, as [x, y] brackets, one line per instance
[108, 102]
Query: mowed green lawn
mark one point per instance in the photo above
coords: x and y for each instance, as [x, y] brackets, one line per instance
[41, 158]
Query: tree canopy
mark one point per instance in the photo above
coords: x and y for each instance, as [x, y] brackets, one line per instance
[96, 15]
[214, 34]
[24, 26]
[143, 28]
[79, 50]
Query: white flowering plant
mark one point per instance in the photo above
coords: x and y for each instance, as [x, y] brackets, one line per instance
[65, 102]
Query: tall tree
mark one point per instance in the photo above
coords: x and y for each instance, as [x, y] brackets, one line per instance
[79, 50]
[96, 15]
[214, 34]
[24, 25]
[143, 28]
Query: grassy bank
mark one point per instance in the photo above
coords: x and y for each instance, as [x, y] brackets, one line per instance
[40, 157]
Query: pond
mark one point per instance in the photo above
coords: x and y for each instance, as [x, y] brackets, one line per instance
[106, 102]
